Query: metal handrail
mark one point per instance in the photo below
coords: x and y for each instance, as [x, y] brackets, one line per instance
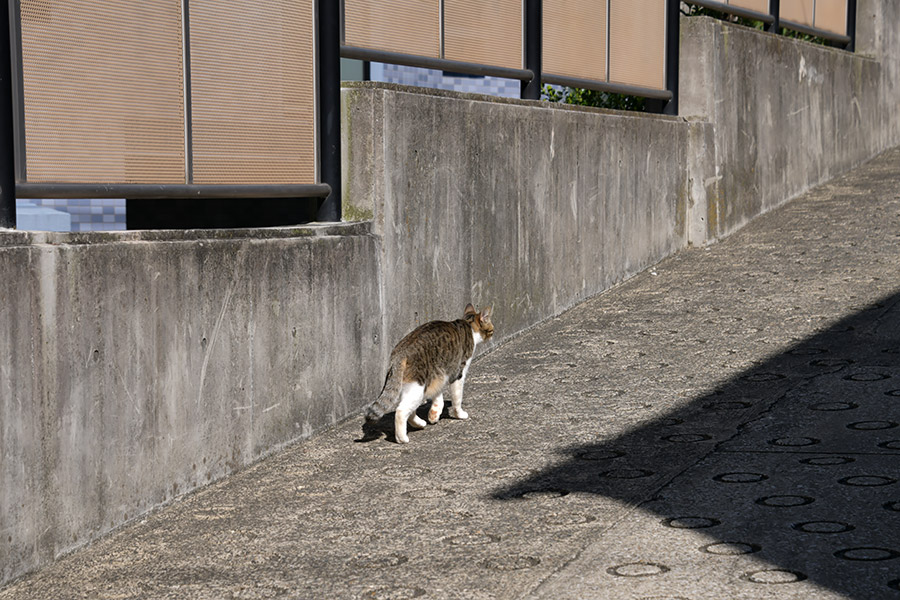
[140, 191]
[427, 62]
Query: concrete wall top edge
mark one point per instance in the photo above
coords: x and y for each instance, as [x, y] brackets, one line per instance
[705, 21]
[13, 238]
[543, 104]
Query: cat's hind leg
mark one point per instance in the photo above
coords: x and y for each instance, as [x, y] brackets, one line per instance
[437, 407]
[411, 396]
[414, 422]
[456, 390]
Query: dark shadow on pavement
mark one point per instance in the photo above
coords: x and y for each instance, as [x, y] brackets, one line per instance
[795, 463]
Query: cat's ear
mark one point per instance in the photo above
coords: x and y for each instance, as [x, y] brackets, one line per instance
[486, 314]
[470, 310]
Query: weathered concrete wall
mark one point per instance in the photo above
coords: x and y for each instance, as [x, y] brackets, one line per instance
[787, 115]
[527, 207]
[136, 367]
[878, 36]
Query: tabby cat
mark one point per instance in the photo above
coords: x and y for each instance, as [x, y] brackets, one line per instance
[426, 361]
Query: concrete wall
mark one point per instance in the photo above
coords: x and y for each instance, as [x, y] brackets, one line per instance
[137, 366]
[878, 36]
[787, 115]
[527, 207]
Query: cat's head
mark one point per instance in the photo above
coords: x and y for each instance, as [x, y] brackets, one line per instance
[481, 321]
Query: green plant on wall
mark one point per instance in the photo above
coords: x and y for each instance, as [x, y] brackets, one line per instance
[597, 99]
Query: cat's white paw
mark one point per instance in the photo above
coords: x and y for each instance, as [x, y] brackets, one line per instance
[402, 439]
[458, 413]
[416, 423]
[433, 416]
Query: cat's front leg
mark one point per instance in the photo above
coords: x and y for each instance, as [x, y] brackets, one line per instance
[437, 407]
[456, 390]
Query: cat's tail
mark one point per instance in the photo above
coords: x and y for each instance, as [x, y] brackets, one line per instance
[390, 394]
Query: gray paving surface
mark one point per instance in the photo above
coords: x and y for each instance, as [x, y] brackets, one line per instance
[724, 425]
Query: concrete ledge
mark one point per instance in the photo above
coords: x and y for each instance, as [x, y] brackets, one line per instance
[136, 369]
[10, 237]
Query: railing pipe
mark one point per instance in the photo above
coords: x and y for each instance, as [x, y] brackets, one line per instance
[7, 138]
[673, 42]
[830, 36]
[774, 26]
[329, 42]
[149, 191]
[534, 43]
[851, 25]
[426, 62]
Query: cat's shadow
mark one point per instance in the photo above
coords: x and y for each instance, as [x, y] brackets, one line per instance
[384, 427]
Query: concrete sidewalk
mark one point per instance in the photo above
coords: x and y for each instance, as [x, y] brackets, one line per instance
[724, 425]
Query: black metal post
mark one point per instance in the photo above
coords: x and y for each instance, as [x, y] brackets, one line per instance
[673, 42]
[7, 138]
[329, 106]
[534, 44]
[851, 25]
[775, 11]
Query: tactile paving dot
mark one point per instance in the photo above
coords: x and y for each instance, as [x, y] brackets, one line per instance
[827, 461]
[393, 593]
[691, 522]
[740, 477]
[867, 553]
[833, 406]
[831, 362]
[601, 454]
[807, 351]
[775, 576]
[890, 445]
[730, 548]
[867, 480]
[544, 493]
[404, 472]
[794, 442]
[638, 569]
[867, 376]
[626, 474]
[687, 438]
[823, 527]
[872, 425]
[429, 493]
[784, 501]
